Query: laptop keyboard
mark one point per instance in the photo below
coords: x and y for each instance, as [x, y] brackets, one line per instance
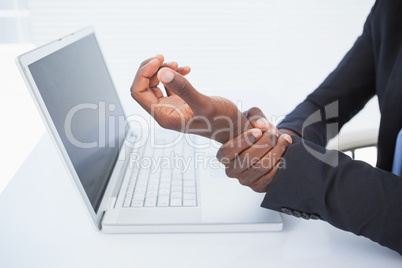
[162, 178]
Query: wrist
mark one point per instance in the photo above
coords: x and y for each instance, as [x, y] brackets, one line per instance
[235, 129]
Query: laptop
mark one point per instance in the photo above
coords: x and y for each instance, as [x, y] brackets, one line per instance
[131, 179]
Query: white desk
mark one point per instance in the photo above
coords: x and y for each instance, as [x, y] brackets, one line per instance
[43, 224]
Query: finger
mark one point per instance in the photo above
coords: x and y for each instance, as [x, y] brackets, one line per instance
[258, 118]
[254, 112]
[261, 184]
[185, 70]
[169, 92]
[157, 92]
[267, 162]
[140, 89]
[228, 151]
[172, 65]
[160, 57]
[246, 159]
[144, 75]
[154, 81]
[180, 86]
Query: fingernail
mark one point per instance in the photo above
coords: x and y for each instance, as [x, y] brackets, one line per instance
[262, 122]
[166, 76]
[256, 133]
[287, 138]
[158, 56]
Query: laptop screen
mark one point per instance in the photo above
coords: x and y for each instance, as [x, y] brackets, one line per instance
[79, 94]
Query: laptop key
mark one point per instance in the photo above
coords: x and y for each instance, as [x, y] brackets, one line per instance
[127, 202]
[189, 196]
[150, 202]
[163, 201]
[175, 202]
[176, 195]
[189, 190]
[137, 203]
[189, 203]
[163, 186]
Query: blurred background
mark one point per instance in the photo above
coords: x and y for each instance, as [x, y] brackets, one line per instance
[265, 53]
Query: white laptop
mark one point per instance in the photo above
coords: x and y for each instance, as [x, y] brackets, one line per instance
[131, 180]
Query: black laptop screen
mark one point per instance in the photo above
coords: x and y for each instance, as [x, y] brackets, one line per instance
[79, 94]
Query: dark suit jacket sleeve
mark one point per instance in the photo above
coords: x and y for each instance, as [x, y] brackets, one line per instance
[348, 194]
[349, 87]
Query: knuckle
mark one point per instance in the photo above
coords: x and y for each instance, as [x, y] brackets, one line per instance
[259, 190]
[223, 152]
[255, 189]
[219, 155]
[134, 93]
[230, 173]
[243, 182]
[225, 161]
[254, 113]
[258, 187]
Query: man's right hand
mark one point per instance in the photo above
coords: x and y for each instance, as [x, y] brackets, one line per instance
[183, 108]
[254, 157]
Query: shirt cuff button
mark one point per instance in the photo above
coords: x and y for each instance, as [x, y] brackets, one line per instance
[297, 213]
[314, 217]
[286, 211]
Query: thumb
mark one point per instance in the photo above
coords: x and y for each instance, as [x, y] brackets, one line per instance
[182, 87]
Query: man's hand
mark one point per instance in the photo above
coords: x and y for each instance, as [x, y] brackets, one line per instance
[183, 108]
[254, 156]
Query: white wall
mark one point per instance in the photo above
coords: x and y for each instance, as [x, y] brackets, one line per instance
[276, 51]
